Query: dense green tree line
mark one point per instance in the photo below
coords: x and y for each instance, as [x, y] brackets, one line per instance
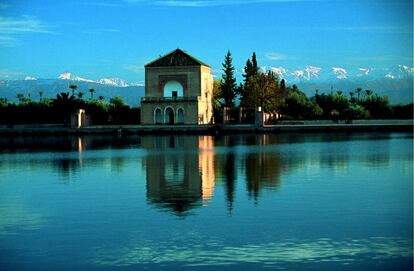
[59, 109]
[264, 89]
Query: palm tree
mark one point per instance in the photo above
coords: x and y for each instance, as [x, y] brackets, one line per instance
[65, 97]
[40, 96]
[92, 91]
[80, 95]
[73, 88]
[358, 91]
[20, 97]
[368, 92]
[101, 98]
[351, 94]
[65, 104]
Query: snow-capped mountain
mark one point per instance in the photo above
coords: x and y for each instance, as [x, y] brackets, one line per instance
[116, 82]
[313, 73]
[395, 82]
[108, 88]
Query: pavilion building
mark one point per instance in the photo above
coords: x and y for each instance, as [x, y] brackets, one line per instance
[178, 90]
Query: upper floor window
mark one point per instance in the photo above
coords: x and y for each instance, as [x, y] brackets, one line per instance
[173, 89]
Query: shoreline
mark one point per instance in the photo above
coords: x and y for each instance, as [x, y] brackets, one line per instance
[287, 127]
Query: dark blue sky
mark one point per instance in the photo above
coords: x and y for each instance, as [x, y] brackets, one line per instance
[101, 38]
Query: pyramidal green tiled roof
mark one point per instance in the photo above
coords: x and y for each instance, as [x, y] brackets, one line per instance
[176, 58]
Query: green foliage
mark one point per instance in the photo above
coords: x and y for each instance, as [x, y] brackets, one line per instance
[3, 102]
[298, 106]
[357, 111]
[378, 106]
[117, 102]
[59, 110]
[216, 94]
[228, 82]
[251, 69]
[336, 103]
[262, 90]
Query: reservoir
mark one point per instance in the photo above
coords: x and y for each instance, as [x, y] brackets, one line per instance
[332, 201]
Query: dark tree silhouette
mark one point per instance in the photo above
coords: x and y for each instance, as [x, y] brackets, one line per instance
[73, 88]
[92, 91]
[228, 82]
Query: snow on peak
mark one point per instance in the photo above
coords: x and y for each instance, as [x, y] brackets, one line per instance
[116, 82]
[280, 71]
[298, 73]
[389, 76]
[66, 76]
[70, 76]
[340, 73]
[406, 68]
[364, 71]
[312, 71]
[29, 78]
[113, 82]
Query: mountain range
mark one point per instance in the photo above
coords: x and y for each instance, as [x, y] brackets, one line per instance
[106, 87]
[396, 82]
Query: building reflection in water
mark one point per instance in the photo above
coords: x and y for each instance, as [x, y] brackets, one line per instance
[179, 172]
[183, 172]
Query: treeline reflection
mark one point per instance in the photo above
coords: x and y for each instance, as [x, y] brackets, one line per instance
[183, 172]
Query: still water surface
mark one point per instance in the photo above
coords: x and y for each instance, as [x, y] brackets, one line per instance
[244, 202]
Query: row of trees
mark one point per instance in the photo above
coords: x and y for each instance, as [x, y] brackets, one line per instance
[58, 109]
[264, 89]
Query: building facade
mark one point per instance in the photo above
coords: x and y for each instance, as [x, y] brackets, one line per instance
[178, 90]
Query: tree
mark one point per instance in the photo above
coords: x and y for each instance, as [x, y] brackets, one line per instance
[378, 106]
[40, 96]
[228, 81]
[65, 98]
[20, 97]
[73, 88]
[283, 84]
[216, 93]
[358, 91]
[80, 95]
[65, 104]
[117, 102]
[356, 111]
[92, 91]
[250, 69]
[255, 68]
[263, 90]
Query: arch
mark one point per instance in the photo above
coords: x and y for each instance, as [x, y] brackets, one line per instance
[169, 117]
[157, 116]
[173, 88]
[180, 115]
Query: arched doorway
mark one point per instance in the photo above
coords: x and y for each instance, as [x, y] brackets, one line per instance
[180, 116]
[173, 89]
[158, 116]
[169, 116]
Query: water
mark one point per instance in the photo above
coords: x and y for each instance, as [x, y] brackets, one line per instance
[245, 202]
